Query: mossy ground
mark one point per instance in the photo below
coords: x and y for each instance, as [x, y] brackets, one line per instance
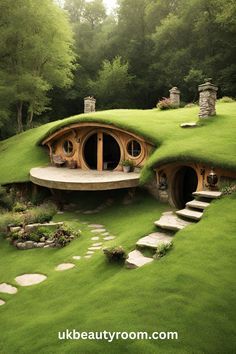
[191, 290]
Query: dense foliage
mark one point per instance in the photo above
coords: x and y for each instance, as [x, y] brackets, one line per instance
[129, 58]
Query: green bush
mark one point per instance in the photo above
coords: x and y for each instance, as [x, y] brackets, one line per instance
[19, 207]
[165, 104]
[9, 219]
[6, 198]
[40, 214]
[226, 99]
[115, 254]
[163, 249]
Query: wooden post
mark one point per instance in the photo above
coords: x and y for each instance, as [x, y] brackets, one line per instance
[100, 151]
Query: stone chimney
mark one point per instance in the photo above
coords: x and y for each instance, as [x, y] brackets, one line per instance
[175, 96]
[89, 104]
[207, 99]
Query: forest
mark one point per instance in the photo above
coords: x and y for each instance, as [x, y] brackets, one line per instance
[54, 54]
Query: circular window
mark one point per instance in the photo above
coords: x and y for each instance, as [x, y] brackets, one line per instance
[68, 147]
[134, 148]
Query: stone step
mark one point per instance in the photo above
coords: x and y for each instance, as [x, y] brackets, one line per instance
[154, 240]
[190, 214]
[197, 204]
[136, 259]
[170, 221]
[208, 194]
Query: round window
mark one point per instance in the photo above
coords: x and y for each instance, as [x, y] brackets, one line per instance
[134, 148]
[68, 147]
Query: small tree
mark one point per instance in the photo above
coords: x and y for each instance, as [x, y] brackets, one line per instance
[111, 86]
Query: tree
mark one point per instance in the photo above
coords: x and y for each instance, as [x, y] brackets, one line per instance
[35, 53]
[111, 86]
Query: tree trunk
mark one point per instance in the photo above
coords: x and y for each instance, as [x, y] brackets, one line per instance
[19, 117]
[30, 118]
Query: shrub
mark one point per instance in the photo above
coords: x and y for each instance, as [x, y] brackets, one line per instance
[19, 207]
[127, 163]
[63, 235]
[163, 249]
[41, 214]
[115, 254]
[165, 103]
[9, 219]
[6, 198]
[226, 99]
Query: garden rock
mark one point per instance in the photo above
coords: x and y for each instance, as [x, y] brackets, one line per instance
[7, 289]
[64, 266]
[30, 279]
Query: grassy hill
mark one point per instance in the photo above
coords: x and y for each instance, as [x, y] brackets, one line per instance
[191, 290]
[213, 142]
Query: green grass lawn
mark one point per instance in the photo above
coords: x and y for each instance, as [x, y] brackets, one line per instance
[213, 142]
[191, 290]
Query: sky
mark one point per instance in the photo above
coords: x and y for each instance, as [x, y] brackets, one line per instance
[110, 4]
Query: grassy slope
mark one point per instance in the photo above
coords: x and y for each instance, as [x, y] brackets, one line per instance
[189, 291]
[214, 142]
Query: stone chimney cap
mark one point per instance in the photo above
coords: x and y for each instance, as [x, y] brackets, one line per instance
[207, 86]
[91, 98]
[174, 90]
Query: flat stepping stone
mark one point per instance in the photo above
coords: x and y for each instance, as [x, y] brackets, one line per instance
[30, 279]
[96, 238]
[108, 238]
[64, 266]
[170, 221]
[96, 231]
[88, 256]
[136, 259]
[97, 244]
[190, 214]
[94, 248]
[105, 234]
[2, 302]
[90, 252]
[154, 240]
[96, 226]
[76, 257]
[208, 194]
[189, 125]
[8, 289]
[197, 204]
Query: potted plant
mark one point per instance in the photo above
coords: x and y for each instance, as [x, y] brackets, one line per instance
[127, 165]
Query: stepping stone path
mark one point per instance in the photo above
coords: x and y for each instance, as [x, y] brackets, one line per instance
[8, 289]
[76, 257]
[96, 226]
[96, 231]
[154, 240]
[30, 279]
[136, 259]
[96, 238]
[94, 248]
[173, 222]
[189, 125]
[108, 238]
[64, 266]
[33, 279]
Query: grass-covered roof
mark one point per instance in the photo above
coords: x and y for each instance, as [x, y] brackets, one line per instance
[213, 142]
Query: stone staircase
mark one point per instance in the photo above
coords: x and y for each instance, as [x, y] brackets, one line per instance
[168, 224]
